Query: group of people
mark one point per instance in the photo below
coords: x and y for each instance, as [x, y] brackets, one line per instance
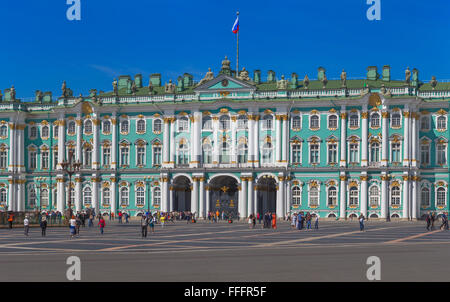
[299, 220]
[431, 218]
[269, 220]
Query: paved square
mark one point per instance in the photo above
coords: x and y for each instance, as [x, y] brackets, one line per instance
[229, 252]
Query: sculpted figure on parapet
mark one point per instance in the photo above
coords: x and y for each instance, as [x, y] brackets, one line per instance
[115, 90]
[226, 63]
[170, 87]
[407, 75]
[64, 89]
[344, 78]
[282, 84]
[12, 93]
[243, 75]
[208, 77]
[306, 82]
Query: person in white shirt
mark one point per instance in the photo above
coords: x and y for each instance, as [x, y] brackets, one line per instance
[26, 224]
[72, 224]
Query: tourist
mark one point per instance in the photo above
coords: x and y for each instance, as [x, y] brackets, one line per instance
[126, 218]
[294, 221]
[274, 221]
[72, 226]
[162, 219]
[91, 220]
[361, 222]
[101, 224]
[43, 225]
[258, 217]
[254, 220]
[299, 221]
[433, 218]
[78, 225]
[316, 222]
[308, 221]
[10, 220]
[120, 217]
[144, 226]
[26, 225]
[444, 225]
[250, 221]
[152, 222]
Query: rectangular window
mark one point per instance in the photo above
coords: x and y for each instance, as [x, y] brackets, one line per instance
[124, 156]
[33, 160]
[332, 153]
[314, 154]
[425, 154]
[45, 160]
[441, 154]
[395, 152]
[140, 156]
[157, 156]
[296, 153]
[106, 156]
[354, 153]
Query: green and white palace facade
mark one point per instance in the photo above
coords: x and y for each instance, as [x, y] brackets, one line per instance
[238, 143]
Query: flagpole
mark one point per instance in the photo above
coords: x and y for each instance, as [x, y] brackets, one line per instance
[237, 50]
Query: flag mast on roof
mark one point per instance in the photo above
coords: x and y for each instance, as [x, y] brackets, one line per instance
[235, 30]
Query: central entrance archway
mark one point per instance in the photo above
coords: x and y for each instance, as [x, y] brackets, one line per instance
[182, 194]
[267, 195]
[224, 196]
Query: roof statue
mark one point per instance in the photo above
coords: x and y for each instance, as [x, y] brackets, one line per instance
[306, 82]
[150, 87]
[208, 77]
[64, 89]
[282, 84]
[324, 81]
[133, 88]
[383, 89]
[407, 75]
[12, 93]
[115, 90]
[226, 63]
[344, 78]
[170, 87]
[39, 96]
[433, 82]
[243, 75]
[1, 96]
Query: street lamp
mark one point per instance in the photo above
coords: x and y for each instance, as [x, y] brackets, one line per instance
[148, 180]
[70, 168]
[39, 182]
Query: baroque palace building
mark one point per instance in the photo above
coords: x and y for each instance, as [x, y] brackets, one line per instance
[336, 148]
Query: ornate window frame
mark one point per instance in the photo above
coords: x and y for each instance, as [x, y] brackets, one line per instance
[332, 140]
[354, 115]
[140, 143]
[393, 112]
[160, 125]
[141, 121]
[314, 140]
[425, 184]
[312, 114]
[440, 184]
[351, 184]
[314, 184]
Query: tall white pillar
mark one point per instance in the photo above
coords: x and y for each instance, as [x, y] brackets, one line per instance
[285, 140]
[363, 179]
[166, 142]
[208, 199]
[384, 139]
[171, 196]
[233, 140]
[11, 199]
[95, 149]
[384, 195]
[343, 143]
[415, 139]
[279, 203]
[251, 140]
[114, 201]
[12, 153]
[21, 195]
[250, 194]
[21, 148]
[406, 146]
[78, 195]
[256, 141]
[172, 142]
[197, 145]
[288, 195]
[165, 194]
[79, 135]
[364, 144]
[255, 199]
[406, 199]
[282, 188]
[243, 198]
[95, 204]
[114, 143]
[278, 140]
[202, 198]
[415, 206]
[60, 196]
[61, 142]
[217, 140]
[194, 196]
[343, 195]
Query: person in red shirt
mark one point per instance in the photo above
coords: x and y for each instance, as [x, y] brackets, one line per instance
[120, 217]
[101, 224]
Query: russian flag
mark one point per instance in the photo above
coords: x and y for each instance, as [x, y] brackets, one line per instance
[235, 28]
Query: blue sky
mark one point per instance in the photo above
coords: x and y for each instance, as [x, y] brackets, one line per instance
[40, 48]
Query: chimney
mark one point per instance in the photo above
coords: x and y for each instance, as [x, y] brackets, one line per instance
[372, 73]
[155, 79]
[321, 73]
[386, 73]
[257, 76]
[271, 76]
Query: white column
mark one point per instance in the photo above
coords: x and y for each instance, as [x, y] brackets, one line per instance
[202, 198]
[79, 134]
[233, 141]
[95, 149]
[208, 199]
[384, 139]
[415, 207]
[166, 142]
[384, 195]
[217, 140]
[282, 187]
[95, 203]
[114, 144]
[343, 195]
[171, 196]
[343, 143]
[251, 140]
[164, 194]
[278, 139]
[415, 139]
[21, 195]
[61, 142]
[60, 196]
[363, 179]
[256, 142]
[194, 196]
[78, 194]
[172, 143]
[406, 199]
[114, 196]
[243, 198]
[364, 147]
[285, 140]
[255, 199]
[197, 138]
[11, 199]
[20, 148]
[12, 153]
[250, 194]
[279, 196]
[288, 195]
[406, 121]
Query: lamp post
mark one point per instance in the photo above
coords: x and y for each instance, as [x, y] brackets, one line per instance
[70, 168]
[148, 181]
[39, 182]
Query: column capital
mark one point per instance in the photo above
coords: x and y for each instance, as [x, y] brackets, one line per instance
[343, 177]
[384, 177]
[364, 177]
[385, 114]
[364, 115]
[343, 115]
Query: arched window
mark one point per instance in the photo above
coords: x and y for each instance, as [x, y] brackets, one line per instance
[106, 126]
[71, 127]
[354, 196]
[106, 196]
[124, 196]
[3, 131]
[124, 126]
[374, 196]
[267, 122]
[296, 195]
[395, 196]
[267, 153]
[396, 120]
[183, 153]
[332, 196]
[425, 123]
[88, 127]
[45, 131]
[242, 153]
[441, 123]
[140, 196]
[296, 122]
[224, 123]
[44, 198]
[296, 153]
[332, 121]
[374, 152]
[207, 153]
[206, 122]
[242, 122]
[183, 124]
[87, 196]
[140, 126]
[33, 132]
[314, 122]
[156, 196]
[124, 155]
[3, 196]
[32, 197]
[425, 197]
[224, 156]
[441, 197]
[441, 152]
[314, 197]
[157, 125]
[354, 120]
[375, 120]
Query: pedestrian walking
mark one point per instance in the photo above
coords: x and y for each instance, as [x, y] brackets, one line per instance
[294, 221]
[308, 221]
[101, 224]
[444, 225]
[78, 225]
[26, 225]
[316, 222]
[152, 222]
[361, 222]
[10, 220]
[72, 226]
[144, 226]
[253, 221]
[43, 225]
[126, 218]
[91, 220]
[274, 221]
[120, 217]
[428, 220]
[433, 219]
[250, 221]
